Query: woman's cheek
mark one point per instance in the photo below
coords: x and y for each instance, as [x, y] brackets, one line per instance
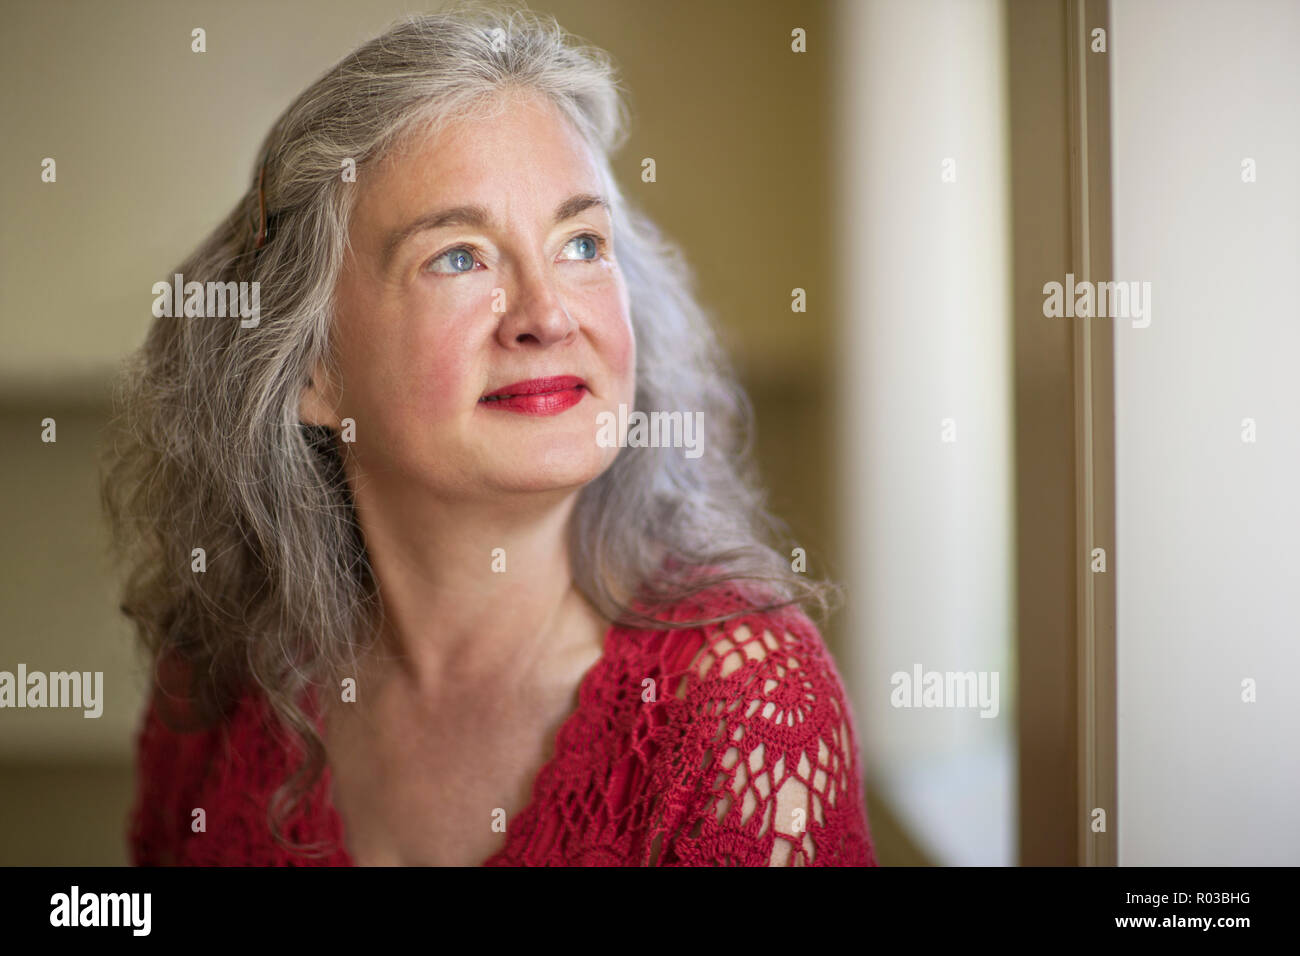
[625, 353]
[616, 331]
[442, 387]
[627, 332]
[436, 365]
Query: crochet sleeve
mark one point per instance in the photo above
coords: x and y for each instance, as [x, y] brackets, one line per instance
[767, 771]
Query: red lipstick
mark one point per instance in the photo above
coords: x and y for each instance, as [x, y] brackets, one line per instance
[538, 396]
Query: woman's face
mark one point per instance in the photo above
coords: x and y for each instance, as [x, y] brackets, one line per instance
[480, 260]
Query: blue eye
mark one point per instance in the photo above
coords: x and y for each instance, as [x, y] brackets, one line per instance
[594, 242]
[459, 256]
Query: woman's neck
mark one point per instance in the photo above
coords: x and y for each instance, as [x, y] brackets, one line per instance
[475, 592]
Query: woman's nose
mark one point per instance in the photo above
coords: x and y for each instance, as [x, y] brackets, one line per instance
[534, 314]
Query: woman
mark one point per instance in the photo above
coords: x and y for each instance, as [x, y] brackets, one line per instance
[406, 601]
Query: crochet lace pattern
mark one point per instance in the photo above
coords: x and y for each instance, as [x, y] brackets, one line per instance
[731, 744]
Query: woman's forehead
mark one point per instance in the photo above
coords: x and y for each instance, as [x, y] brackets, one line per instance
[508, 128]
[530, 158]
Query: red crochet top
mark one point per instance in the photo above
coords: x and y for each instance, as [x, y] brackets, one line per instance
[742, 752]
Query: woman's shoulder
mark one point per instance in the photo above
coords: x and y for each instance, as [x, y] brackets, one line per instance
[731, 622]
[198, 780]
[173, 758]
[776, 654]
[764, 759]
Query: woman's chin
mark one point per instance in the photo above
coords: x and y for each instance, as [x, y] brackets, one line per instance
[553, 470]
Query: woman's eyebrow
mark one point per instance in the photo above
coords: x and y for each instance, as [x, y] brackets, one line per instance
[479, 218]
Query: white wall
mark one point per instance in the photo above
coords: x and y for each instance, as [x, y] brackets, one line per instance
[1208, 551]
[930, 524]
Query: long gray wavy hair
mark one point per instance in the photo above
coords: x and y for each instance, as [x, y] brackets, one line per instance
[206, 448]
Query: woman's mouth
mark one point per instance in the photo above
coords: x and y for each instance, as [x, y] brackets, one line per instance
[538, 396]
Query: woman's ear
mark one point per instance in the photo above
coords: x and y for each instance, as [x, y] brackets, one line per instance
[318, 403]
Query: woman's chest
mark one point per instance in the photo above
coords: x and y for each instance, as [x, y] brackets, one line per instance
[442, 788]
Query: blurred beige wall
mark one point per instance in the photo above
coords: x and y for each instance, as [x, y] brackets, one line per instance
[153, 144]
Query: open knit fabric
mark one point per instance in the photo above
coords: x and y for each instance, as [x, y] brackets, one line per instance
[731, 744]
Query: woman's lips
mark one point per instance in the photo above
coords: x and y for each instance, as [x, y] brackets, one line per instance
[538, 396]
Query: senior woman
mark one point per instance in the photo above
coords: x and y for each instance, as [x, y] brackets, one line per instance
[404, 604]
